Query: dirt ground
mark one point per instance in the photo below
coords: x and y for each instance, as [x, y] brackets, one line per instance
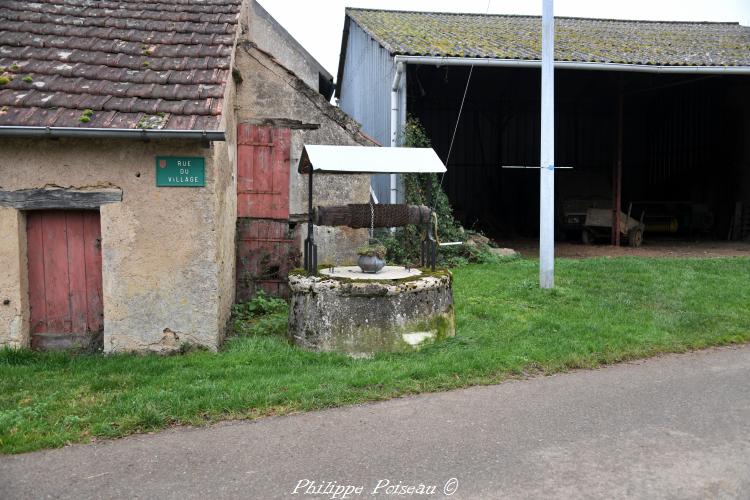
[650, 248]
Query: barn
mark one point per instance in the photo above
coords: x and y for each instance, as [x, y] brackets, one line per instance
[652, 117]
[148, 175]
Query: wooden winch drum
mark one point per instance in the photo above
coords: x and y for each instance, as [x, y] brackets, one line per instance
[365, 215]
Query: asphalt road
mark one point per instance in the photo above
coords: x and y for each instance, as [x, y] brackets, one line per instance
[672, 427]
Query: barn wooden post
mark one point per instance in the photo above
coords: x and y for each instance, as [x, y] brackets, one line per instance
[547, 178]
[617, 174]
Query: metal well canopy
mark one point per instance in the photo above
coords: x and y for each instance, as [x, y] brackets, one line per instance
[369, 160]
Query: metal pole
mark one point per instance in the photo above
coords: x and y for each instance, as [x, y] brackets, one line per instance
[547, 178]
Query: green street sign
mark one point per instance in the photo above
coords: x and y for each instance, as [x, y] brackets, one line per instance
[180, 171]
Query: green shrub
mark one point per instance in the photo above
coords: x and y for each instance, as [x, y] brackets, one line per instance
[261, 315]
[14, 356]
[375, 250]
[404, 245]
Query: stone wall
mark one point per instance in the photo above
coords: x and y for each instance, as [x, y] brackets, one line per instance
[167, 253]
[14, 308]
[271, 37]
[362, 317]
[271, 94]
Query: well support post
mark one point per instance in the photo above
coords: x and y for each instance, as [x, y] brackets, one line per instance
[429, 244]
[311, 249]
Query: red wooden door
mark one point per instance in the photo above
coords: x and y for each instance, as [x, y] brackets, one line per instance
[263, 172]
[65, 278]
[266, 244]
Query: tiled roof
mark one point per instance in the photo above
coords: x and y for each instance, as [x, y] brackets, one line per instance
[115, 63]
[576, 39]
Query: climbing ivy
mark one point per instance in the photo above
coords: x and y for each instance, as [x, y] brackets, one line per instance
[405, 245]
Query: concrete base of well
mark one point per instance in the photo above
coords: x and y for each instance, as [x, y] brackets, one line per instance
[364, 317]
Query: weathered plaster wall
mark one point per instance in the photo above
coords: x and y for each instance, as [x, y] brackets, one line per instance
[165, 251]
[226, 210]
[271, 94]
[14, 304]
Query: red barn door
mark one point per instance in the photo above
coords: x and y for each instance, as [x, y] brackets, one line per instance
[65, 278]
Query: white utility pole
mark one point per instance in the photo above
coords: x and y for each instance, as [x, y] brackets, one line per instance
[547, 178]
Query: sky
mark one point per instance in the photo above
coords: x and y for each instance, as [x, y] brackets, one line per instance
[318, 24]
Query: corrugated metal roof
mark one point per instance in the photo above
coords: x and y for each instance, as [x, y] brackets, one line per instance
[369, 160]
[161, 64]
[576, 39]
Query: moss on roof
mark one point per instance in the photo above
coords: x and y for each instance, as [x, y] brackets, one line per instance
[576, 39]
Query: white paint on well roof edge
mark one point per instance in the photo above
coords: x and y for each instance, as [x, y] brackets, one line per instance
[370, 160]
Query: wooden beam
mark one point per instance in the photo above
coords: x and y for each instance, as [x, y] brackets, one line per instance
[41, 199]
[617, 174]
[282, 123]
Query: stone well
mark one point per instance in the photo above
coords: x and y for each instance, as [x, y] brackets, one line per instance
[391, 311]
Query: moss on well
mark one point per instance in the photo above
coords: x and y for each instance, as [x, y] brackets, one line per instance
[373, 339]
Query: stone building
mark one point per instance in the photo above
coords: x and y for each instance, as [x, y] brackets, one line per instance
[271, 93]
[128, 133]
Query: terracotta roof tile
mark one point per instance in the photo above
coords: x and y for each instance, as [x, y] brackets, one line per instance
[130, 61]
[576, 39]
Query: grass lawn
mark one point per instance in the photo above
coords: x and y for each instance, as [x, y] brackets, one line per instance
[602, 311]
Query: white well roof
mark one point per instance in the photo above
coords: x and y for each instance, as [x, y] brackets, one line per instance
[369, 160]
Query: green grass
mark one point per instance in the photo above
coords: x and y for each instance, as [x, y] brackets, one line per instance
[602, 311]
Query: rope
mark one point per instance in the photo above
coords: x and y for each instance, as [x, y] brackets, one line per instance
[435, 221]
[460, 112]
[458, 120]
[450, 148]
